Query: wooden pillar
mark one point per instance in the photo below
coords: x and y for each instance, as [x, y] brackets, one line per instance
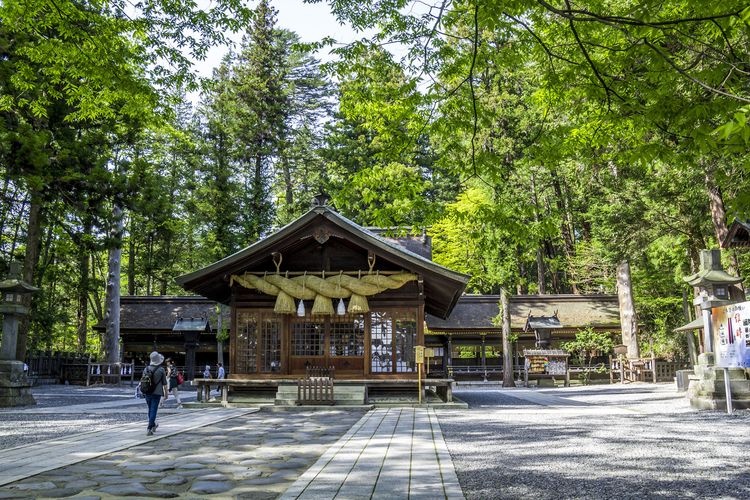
[449, 357]
[484, 357]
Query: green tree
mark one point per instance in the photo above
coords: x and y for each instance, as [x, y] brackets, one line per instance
[588, 345]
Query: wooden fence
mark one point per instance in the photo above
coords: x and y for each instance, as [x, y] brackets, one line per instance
[645, 370]
[315, 391]
[52, 367]
[49, 367]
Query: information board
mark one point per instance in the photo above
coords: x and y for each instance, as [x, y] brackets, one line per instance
[731, 335]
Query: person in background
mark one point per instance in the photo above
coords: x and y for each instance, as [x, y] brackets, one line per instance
[174, 385]
[160, 389]
[220, 374]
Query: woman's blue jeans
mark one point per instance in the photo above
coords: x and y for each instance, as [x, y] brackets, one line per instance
[152, 400]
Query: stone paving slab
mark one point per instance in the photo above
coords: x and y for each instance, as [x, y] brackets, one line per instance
[29, 460]
[389, 453]
[252, 455]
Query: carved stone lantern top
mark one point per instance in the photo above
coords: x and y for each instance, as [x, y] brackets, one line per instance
[13, 288]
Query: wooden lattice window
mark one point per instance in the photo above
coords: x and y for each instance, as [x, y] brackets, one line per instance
[246, 346]
[270, 355]
[404, 340]
[348, 335]
[381, 341]
[258, 342]
[393, 337]
[307, 338]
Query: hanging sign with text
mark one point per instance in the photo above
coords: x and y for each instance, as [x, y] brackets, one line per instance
[731, 335]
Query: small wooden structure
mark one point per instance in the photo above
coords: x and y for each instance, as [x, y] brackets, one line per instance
[473, 325]
[546, 364]
[181, 328]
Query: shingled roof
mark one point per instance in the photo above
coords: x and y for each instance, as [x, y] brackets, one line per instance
[475, 313]
[442, 286]
[161, 313]
[738, 235]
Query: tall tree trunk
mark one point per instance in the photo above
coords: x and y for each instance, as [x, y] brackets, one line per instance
[719, 217]
[30, 262]
[288, 186]
[540, 267]
[131, 258]
[540, 271]
[507, 349]
[112, 316]
[84, 250]
[566, 225]
[628, 319]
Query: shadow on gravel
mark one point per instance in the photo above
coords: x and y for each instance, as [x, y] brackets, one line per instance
[547, 454]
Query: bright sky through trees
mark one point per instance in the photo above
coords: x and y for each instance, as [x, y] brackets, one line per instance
[312, 22]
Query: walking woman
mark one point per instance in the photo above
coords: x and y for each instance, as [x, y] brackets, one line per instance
[173, 379]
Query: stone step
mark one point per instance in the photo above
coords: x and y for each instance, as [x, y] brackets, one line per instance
[719, 403]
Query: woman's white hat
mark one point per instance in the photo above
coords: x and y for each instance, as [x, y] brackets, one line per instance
[156, 358]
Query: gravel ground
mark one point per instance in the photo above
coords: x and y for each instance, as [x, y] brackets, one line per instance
[631, 441]
[29, 424]
[638, 441]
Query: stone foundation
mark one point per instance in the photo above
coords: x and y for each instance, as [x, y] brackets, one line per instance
[15, 388]
[706, 390]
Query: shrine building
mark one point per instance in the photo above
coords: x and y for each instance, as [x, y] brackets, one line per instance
[326, 292]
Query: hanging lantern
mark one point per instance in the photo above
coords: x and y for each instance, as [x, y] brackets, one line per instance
[341, 308]
[301, 308]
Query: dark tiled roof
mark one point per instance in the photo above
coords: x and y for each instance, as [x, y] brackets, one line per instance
[419, 244]
[478, 312]
[535, 322]
[738, 235]
[161, 313]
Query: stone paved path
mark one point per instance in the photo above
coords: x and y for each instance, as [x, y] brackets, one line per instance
[239, 455]
[23, 461]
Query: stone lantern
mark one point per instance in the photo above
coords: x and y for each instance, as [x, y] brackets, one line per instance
[709, 385]
[15, 389]
[716, 288]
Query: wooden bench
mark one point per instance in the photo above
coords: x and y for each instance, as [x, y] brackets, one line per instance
[223, 384]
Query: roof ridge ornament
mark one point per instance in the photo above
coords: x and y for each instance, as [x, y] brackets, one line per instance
[320, 200]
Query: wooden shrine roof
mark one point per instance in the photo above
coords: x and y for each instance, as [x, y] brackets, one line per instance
[324, 240]
[475, 313]
[738, 235]
[160, 313]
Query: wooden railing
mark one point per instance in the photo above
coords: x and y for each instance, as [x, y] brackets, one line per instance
[320, 371]
[315, 391]
[644, 370]
[494, 369]
[109, 373]
[52, 367]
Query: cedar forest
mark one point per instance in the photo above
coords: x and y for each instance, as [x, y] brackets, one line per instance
[548, 146]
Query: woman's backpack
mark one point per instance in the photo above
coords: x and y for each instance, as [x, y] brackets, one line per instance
[147, 380]
[180, 378]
